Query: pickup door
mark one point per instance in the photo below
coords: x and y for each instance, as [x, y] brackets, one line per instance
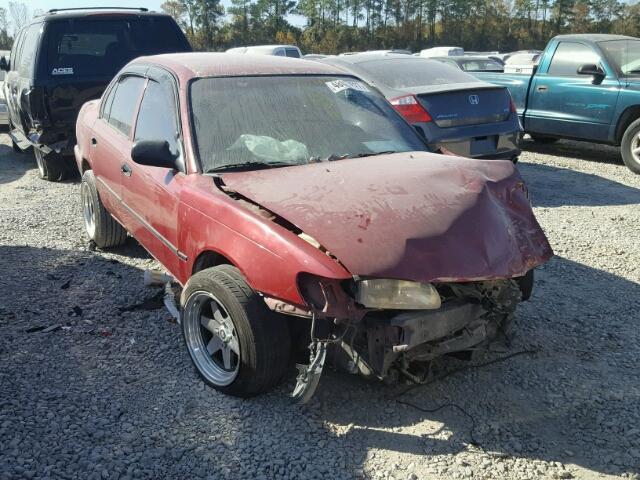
[564, 103]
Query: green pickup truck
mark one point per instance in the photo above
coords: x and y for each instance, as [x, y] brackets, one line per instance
[585, 87]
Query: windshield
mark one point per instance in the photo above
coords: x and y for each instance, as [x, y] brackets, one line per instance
[624, 54]
[292, 120]
[480, 65]
[414, 72]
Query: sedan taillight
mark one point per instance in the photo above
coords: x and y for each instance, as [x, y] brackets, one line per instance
[409, 107]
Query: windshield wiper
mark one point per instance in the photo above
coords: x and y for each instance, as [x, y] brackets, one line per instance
[371, 154]
[233, 166]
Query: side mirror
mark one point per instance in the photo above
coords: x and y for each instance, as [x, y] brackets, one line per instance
[592, 70]
[4, 65]
[153, 153]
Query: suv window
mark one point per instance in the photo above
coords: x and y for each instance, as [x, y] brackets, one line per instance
[28, 50]
[157, 117]
[292, 52]
[569, 56]
[124, 102]
[15, 50]
[91, 47]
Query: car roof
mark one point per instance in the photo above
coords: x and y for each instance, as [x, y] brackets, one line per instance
[63, 14]
[593, 37]
[211, 64]
[357, 58]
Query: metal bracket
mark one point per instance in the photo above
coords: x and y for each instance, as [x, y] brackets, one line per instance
[309, 375]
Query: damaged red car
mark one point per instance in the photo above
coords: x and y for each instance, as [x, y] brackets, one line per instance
[302, 216]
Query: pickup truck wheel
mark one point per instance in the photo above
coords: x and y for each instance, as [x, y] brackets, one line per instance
[100, 226]
[543, 139]
[630, 147]
[50, 167]
[236, 343]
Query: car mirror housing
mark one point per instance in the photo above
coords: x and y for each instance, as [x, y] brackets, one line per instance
[4, 64]
[153, 153]
[592, 70]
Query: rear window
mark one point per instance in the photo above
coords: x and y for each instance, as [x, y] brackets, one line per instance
[92, 47]
[409, 72]
[481, 65]
[292, 52]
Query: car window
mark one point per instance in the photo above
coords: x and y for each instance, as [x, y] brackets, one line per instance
[102, 47]
[414, 72]
[292, 52]
[157, 118]
[125, 100]
[15, 51]
[28, 51]
[279, 52]
[293, 120]
[569, 56]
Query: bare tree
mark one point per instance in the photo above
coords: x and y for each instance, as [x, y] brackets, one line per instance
[19, 13]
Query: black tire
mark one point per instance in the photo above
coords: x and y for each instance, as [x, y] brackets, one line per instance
[543, 139]
[106, 231]
[526, 285]
[263, 337]
[51, 166]
[631, 142]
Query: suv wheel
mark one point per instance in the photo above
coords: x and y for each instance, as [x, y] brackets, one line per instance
[630, 147]
[236, 343]
[50, 167]
[101, 227]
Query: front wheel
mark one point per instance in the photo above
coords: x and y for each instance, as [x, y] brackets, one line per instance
[236, 343]
[630, 147]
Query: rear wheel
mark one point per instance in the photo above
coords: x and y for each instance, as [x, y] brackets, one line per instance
[630, 147]
[543, 139]
[51, 166]
[100, 226]
[236, 343]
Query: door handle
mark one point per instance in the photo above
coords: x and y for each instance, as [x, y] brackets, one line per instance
[126, 169]
[94, 142]
[542, 88]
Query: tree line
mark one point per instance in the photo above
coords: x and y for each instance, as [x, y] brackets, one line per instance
[334, 26]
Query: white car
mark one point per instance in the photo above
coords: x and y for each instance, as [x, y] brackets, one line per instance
[442, 52]
[277, 50]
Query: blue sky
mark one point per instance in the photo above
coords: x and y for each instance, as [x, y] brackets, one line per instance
[45, 5]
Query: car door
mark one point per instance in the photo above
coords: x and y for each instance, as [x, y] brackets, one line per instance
[111, 142]
[153, 193]
[566, 104]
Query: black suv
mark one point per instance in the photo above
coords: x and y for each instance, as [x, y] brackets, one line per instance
[63, 59]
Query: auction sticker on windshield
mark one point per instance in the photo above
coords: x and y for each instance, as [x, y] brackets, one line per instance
[338, 85]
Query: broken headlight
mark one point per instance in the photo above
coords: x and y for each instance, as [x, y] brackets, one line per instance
[397, 294]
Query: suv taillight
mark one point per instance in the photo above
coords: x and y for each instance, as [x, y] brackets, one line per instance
[409, 107]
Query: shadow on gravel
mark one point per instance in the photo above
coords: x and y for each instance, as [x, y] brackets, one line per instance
[574, 402]
[14, 165]
[575, 149]
[556, 187]
[109, 392]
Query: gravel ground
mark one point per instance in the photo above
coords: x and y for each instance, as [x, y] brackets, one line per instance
[96, 383]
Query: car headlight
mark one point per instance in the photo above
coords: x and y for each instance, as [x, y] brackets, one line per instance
[397, 294]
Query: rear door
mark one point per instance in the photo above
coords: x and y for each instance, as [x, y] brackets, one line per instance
[565, 104]
[152, 193]
[111, 141]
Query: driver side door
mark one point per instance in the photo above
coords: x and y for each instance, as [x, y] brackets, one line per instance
[566, 104]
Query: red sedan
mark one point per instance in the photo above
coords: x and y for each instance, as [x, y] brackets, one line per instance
[301, 214]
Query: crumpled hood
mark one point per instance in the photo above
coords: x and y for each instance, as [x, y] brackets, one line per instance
[416, 216]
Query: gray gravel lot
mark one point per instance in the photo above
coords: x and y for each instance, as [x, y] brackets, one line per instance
[95, 381]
